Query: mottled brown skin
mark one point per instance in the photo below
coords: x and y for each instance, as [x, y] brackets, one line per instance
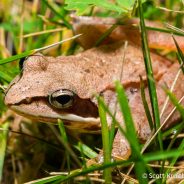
[86, 74]
[126, 30]
[94, 72]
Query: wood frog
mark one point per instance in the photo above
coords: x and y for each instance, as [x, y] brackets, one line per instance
[64, 88]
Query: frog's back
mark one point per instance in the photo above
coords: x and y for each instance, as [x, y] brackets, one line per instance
[100, 67]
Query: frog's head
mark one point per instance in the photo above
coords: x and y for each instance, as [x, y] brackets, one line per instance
[49, 89]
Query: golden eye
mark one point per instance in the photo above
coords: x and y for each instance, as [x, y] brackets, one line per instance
[62, 98]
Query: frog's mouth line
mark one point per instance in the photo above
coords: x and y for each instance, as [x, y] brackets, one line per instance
[55, 117]
[71, 121]
[73, 117]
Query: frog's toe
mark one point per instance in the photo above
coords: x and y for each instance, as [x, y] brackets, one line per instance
[121, 148]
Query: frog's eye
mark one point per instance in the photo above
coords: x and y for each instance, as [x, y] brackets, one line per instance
[62, 98]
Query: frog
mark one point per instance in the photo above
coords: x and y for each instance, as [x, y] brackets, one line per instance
[65, 87]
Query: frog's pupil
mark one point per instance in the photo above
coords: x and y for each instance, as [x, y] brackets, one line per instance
[63, 99]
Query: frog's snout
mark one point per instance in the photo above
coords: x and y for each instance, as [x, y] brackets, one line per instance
[10, 96]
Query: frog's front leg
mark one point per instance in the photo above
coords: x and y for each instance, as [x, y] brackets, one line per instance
[121, 148]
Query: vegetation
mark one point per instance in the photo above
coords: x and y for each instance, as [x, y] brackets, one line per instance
[40, 153]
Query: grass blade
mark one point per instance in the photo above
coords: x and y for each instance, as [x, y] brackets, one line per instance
[140, 167]
[3, 141]
[179, 130]
[174, 100]
[105, 35]
[31, 52]
[87, 180]
[180, 108]
[5, 77]
[150, 77]
[76, 173]
[123, 101]
[65, 139]
[66, 146]
[179, 54]
[16, 57]
[147, 158]
[86, 150]
[145, 104]
[105, 141]
[62, 130]
[173, 161]
[66, 23]
[175, 30]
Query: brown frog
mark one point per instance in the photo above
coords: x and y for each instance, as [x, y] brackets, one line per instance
[64, 88]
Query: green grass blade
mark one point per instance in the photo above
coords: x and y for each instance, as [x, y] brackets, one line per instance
[65, 139]
[173, 140]
[145, 104]
[150, 77]
[173, 161]
[105, 35]
[140, 167]
[162, 155]
[170, 131]
[114, 123]
[66, 146]
[5, 77]
[174, 100]
[46, 180]
[86, 150]
[134, 8]
[87, 180]
[123, 102]
[105, 141]
[62, 131]
[178, 131]
[16, 57]
[164, 30]
[82, 155]
[112, 133]
[179, 54]
[180, 61]
[178, 49]
[31, 52]
[66, 23]
[180, 108]
[3, 142]
[76, 173]
[149, 157]
[175, 30]
[131, 141]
